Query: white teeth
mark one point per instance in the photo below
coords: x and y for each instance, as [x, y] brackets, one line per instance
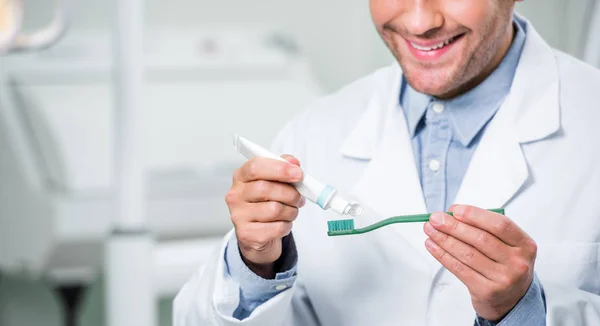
[435, 47]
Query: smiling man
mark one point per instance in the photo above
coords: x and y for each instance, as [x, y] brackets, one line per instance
[477, 113]
[445, 48]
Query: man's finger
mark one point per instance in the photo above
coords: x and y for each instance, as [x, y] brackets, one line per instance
[262, 191]
[480, 239]
[271, 211]
[260, 168]
[497, 224]
[465, 274]
[465, 253]
[264, 232]
[291, 159]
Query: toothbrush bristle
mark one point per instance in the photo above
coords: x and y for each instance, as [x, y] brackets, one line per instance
[340, 225]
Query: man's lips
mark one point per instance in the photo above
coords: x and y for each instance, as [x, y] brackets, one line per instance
[431, 50]
[430, 45]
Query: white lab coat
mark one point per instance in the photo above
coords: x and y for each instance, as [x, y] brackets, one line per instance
[539, 158]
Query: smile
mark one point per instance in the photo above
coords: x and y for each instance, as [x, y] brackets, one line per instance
[432, 51]
[433, 47]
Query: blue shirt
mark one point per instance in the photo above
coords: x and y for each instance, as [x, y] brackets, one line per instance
[444, 135]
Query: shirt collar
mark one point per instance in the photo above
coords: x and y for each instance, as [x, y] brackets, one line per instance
[471, 111]
[415, 105]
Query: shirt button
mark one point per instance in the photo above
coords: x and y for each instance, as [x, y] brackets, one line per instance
[438, 108]
[280, 287]
[434, 165]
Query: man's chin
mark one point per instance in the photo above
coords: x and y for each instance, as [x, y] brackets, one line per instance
[434, 82]
[430, 86]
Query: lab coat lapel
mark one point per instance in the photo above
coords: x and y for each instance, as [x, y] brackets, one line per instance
[497, 170]
[390, 184]
[530, 113]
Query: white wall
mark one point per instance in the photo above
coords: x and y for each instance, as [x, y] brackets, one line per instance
[337, 35]
[559, 22]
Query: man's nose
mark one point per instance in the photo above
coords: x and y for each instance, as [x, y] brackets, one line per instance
[421, 16]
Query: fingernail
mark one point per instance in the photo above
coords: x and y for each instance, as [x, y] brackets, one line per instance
[430, 245]
[458, 210]
[437, 219]
[295, 173]
[302, 201]
[429, 229]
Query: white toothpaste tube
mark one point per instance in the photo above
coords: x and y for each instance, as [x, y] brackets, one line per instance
[321, 194]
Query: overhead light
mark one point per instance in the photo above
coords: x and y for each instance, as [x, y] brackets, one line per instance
[13, 40]
[11, 17]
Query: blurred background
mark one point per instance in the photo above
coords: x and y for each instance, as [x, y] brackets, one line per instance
[210, 68]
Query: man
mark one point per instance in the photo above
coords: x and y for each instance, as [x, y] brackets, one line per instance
[480, 112]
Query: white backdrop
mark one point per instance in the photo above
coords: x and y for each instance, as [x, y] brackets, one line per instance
[336, 35]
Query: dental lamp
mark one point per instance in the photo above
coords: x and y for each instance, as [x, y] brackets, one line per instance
[12, 39]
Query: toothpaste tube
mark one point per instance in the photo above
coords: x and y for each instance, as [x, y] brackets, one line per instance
[315, 191]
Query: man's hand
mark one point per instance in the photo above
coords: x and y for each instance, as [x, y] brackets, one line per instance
[263, 205]
[488, 252]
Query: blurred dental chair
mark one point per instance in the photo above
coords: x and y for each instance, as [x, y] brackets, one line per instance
[57, 134]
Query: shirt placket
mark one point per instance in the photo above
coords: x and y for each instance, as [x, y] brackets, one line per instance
[438, 136]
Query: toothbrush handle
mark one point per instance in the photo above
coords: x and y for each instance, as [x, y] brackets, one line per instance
[425, 217]
[408, 219]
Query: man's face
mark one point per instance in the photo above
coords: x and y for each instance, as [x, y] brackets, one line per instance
[445, 47]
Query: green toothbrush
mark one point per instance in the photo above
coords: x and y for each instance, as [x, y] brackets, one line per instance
[346, 227]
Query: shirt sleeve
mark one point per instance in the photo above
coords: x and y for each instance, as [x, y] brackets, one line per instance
[255, 290]
[530, 311]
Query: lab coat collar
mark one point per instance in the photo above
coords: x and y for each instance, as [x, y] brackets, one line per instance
[498, 169]
[533, 103]
[530, 113]
[364, 138]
